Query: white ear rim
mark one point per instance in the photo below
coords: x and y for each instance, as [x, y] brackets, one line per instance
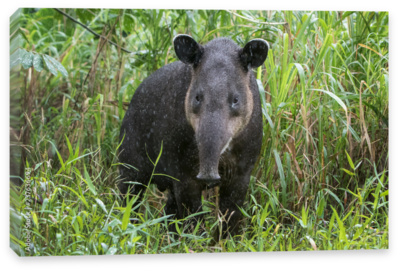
[259, 39]
[180, 35]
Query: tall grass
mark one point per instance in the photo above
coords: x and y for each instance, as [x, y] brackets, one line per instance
[321, 181]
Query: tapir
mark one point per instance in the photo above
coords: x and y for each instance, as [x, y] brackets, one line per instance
[194, 124]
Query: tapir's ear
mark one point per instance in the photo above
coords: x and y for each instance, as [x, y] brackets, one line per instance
[187, 49]
[254, 53]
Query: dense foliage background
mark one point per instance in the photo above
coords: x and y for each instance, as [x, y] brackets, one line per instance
[321, 181]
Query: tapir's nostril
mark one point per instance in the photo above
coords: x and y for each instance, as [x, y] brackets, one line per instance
[209, 179]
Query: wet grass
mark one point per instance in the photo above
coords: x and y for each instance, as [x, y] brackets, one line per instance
[321, 181]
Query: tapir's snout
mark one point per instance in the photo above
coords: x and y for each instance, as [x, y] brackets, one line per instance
[211, 137]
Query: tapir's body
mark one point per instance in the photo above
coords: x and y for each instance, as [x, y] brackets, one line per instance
[192, 111]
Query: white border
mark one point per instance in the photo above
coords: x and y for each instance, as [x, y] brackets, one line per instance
[386, 260]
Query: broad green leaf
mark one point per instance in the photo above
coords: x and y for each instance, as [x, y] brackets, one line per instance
[112, 250]
[58, 66]
[27, 59]
[304, 217]
[16, 57]
[334, 96]
[352, 131]
[44, 205]
[275, 244]
[347, 171]
[321, 207]
[81, 197]
[38, 62]
[264, 214]
[89, 182]
[80, 223]
[264, 104]
[300, 70]
[50, 65]
[299, 37]
[342, 229]
[127, 212]
[280, 169]
[324, 49]
[35, 219]
[350, 160]
[385, 193]
[335, 197]
[297, 218]
[70, 150]
[102, 206]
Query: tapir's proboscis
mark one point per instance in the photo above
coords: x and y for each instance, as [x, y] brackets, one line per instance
[203, 115]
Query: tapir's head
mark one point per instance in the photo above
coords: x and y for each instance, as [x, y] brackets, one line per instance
[219, 102]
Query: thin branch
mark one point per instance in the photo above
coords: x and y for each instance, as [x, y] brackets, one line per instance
[91, 31]
[255, 21]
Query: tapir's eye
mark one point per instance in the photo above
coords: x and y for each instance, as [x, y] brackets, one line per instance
[196, 104]
[235, 105]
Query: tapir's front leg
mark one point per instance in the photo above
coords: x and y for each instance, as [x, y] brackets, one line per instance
[232, 196]
[185, 199]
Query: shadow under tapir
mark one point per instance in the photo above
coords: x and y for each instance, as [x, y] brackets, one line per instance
[205, 112]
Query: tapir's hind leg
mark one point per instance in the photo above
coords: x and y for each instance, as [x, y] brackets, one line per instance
[132, 184]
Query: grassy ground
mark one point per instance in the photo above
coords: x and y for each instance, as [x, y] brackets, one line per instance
[321, 181]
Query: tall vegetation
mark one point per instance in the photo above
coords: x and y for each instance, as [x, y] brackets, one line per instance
[321, 181]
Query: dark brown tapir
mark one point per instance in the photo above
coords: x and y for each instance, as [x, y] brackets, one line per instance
[204, 111]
